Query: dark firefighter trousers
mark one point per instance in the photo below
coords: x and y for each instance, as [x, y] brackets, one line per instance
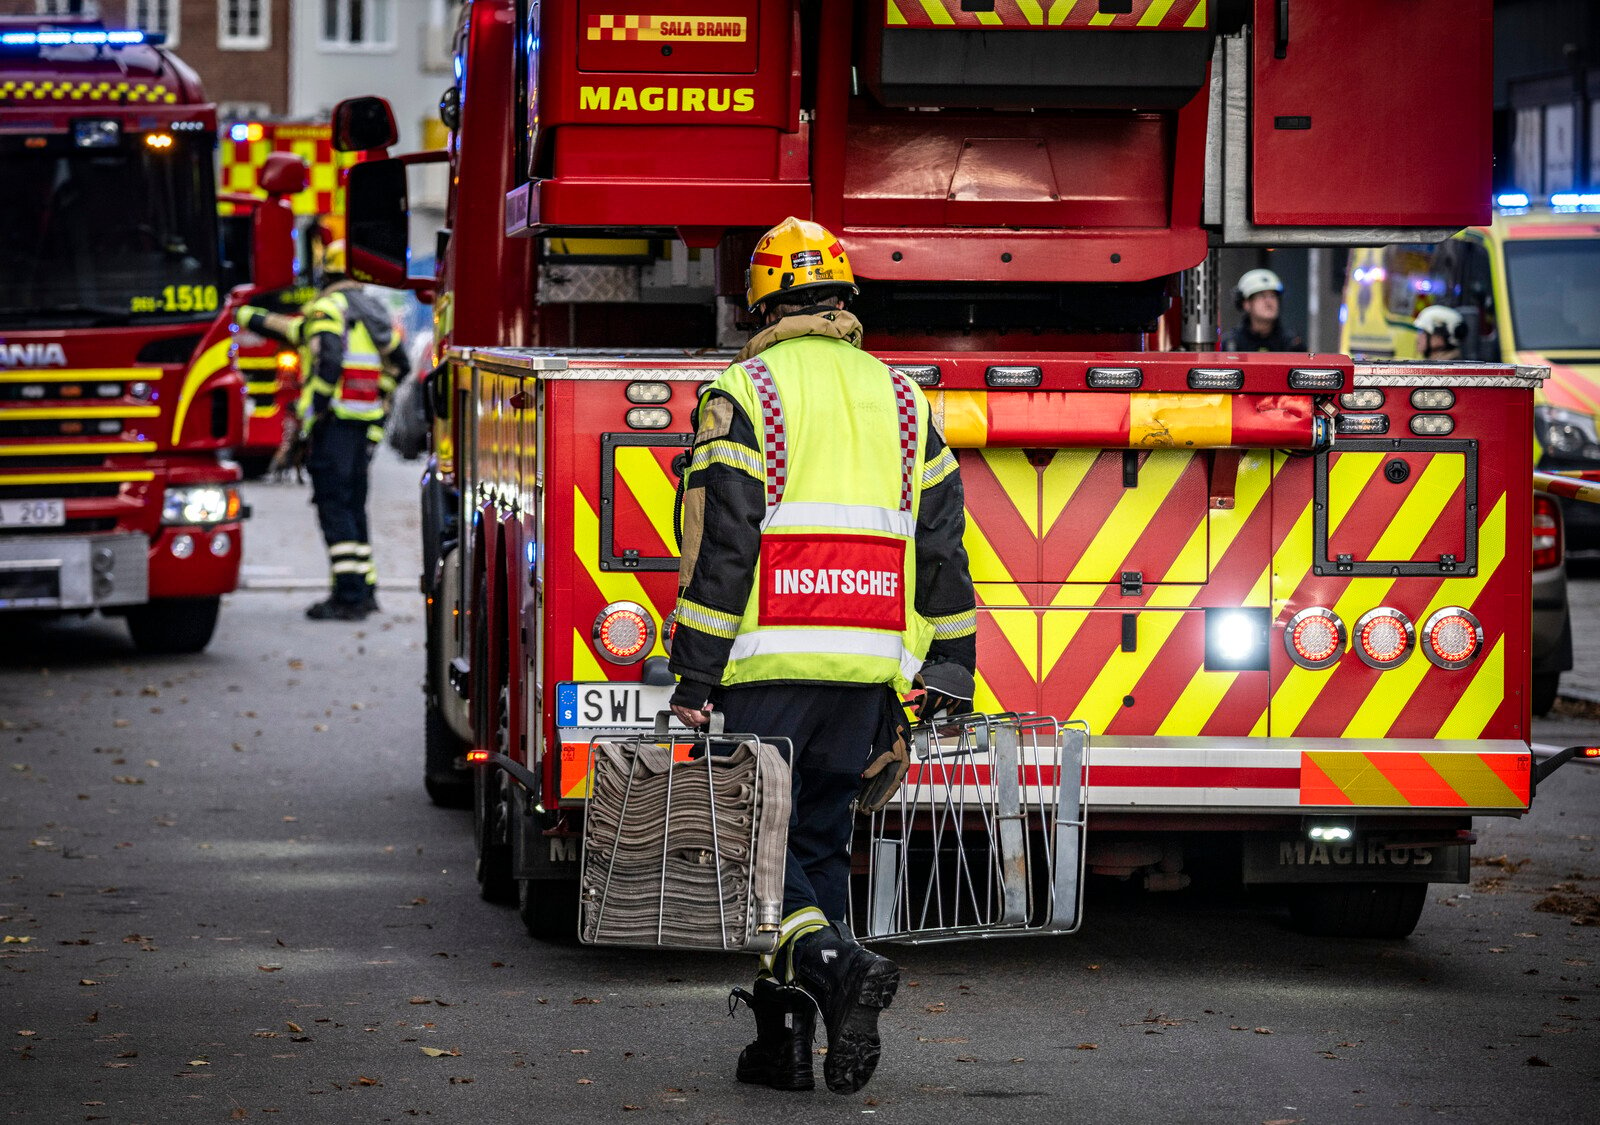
[338, 466]
[832, 727]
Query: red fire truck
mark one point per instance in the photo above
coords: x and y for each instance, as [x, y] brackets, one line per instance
[118, 388]
[1288, 594]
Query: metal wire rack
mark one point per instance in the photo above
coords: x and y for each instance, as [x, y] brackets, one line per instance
[684, 841]
[984, 839]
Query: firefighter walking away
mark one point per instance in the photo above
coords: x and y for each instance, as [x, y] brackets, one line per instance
[352, 358]
[822, 574]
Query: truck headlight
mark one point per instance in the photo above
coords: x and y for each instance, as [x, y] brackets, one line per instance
[1566, 433]
[200, 504]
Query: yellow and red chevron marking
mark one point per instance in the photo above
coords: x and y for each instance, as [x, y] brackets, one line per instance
[240, 161]
[1023, 14]
[86, 91]
[1433, 496]
[682, 28]
[1396, 779]
[575, 776]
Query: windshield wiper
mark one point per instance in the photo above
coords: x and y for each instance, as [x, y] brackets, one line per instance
[104, 315]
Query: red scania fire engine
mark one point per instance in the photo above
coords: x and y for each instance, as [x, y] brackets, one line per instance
[1288, 594]
[119, 394]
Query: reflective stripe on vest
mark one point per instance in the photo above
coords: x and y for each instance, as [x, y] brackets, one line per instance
[358, 394]
[774, 446]
[824, 642]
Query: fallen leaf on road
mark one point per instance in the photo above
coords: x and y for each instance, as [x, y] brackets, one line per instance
[1088, 1046]
[578, 1051]
[119, 722]
[198, 1062]
[939, 1007]
[457, 1080]
[585, 1000]
[586, 1081]
[86, 982]
[269, 968]
[124, 779]
[17, 940]
[944, 1039]
[437, 1052]
[292, 1026]
[965, 1058]
[630, 1107]
[1535, 1060]
[239, 1114]
[363, 1080]
[1263, 1031]
[27, 1033]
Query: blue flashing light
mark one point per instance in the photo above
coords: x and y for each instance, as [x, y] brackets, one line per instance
[239, 133]
[97, 38]
[1511, 199]
[1575, 200]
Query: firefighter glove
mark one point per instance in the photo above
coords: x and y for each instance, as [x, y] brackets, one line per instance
[948, 691]
[691, 694]
[891, 758]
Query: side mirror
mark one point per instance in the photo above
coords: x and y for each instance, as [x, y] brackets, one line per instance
[377, 226]
[363, 124]
[283, 173]
[378, 215]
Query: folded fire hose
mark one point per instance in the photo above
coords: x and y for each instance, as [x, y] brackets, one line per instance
[685, 852]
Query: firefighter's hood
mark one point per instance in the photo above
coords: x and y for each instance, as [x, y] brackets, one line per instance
[839, 324]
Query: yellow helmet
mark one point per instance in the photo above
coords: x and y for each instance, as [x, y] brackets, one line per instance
[796, 256]
[333, 257]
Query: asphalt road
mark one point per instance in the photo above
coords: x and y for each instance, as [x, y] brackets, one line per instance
[224, 896]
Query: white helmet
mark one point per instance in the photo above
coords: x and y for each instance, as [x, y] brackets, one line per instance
[1256, 281]
[1443, 320]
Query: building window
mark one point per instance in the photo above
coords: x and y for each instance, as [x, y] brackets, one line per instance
[357, 25]
[155, 15]
[244, 25]
[66, 8]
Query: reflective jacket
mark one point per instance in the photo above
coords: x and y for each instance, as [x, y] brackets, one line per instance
[822, 521]
[350, 348]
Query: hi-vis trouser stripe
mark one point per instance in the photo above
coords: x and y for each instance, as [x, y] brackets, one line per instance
[352, 557]
[806, 920]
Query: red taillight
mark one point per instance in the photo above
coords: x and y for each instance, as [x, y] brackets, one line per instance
[1383, 637]
[1452, 637]
[624, 632]
[1314, 637]
[1546, 533]
[477, 755]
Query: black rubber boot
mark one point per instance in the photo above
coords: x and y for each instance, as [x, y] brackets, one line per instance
[331, 609]
[851, 986]
[785, 1024]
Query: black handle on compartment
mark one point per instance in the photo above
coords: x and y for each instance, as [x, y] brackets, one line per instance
[1281, 49]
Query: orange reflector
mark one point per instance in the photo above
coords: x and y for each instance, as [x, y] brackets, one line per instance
[1591, 752]
[1384, 637]
[1453, 637]
[477, 755]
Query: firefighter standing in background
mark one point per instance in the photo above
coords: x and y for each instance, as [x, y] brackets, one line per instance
[1440, 332]
[822, 568]
[1259, 296]
[351, 357]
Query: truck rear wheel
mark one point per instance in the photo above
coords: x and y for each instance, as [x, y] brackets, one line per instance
[173, 625]
[491, 823]
[549, 908]
[1360, 910]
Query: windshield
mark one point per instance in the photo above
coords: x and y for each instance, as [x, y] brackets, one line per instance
[1555, 293]
[114, 235]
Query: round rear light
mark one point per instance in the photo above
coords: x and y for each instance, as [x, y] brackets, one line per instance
[669, 627]
[1452, 637]
[1384, 637]
[624, 632]
[1314, 637]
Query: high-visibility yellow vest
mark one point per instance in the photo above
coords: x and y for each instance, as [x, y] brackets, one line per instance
[834, 597]
[361, 391]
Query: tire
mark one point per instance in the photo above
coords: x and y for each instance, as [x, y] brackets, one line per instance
[491, 812]
[1358, 910]
[448, 786]
[173, 625]
[254, 466]
[1543, 695]
[549, 908]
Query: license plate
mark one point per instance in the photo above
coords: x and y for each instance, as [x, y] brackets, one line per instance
[610, 706]
[33, 513]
